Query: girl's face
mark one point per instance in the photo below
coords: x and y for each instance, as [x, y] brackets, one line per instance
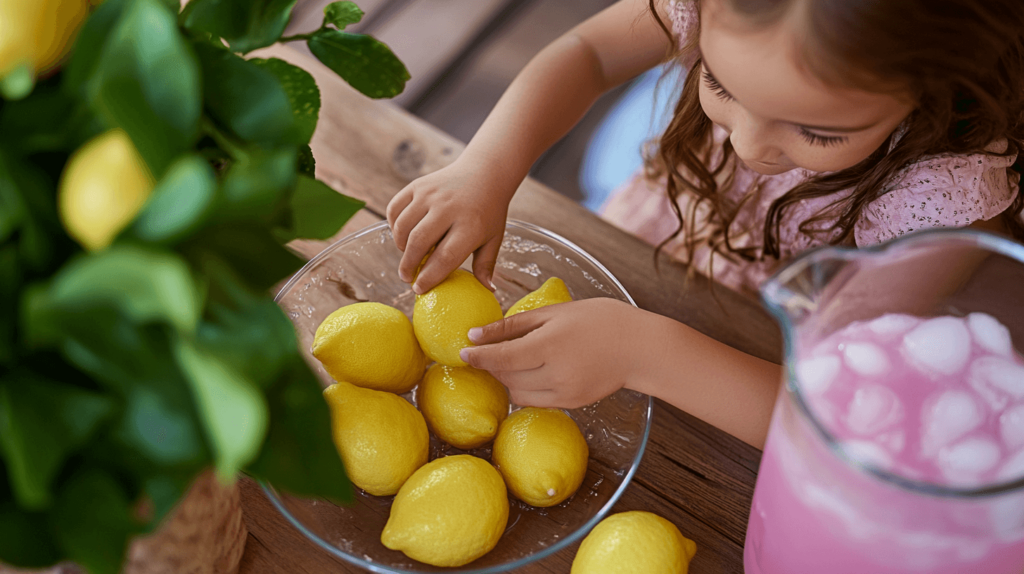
[778, 115]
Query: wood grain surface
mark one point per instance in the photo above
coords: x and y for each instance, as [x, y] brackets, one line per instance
[693, 474]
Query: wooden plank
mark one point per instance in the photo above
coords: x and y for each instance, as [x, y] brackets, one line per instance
[376, 149]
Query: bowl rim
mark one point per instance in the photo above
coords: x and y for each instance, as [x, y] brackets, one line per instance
[518, 563]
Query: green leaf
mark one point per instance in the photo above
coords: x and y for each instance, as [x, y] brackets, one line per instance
[12, 208]
[18, 83]
[231, 407]
[342, 14]
[255, 184]
[246, 98]
[299, 455]
[41, 423]
[245, 24]
[143, 284]
[148, 83]
[366, 63]
[92, 521]
[250, 249]
[307, 165]
[179, 203]
[87, 53]
[249, 332]
[318, 211]
[45, 121]
[25, 539]
[10, 282]
[303, 94]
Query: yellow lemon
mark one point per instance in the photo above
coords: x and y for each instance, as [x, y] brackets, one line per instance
[552, 291]
[370, 345]
[542, 455]
[450, 512]
[462, 405]
[103, 187]
[633, 543]
[35, 34]
[382, 439]
[443, 316]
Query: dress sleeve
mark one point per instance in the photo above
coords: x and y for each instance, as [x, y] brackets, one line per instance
[941, 191]
[685, 16]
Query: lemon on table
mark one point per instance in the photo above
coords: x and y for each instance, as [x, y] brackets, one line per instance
[450, 512]
[443, 316]
[542, 455]
[382, 439]
[550, 292]
[103, 187]
[634, 542]
[463, 406]
[370, 345]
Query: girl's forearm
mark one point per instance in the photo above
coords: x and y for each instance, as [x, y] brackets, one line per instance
[541, 105]
[716, 383]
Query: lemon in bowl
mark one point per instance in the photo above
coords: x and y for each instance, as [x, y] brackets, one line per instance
[363, 267]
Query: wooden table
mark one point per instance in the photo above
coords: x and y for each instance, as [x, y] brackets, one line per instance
[693, 474]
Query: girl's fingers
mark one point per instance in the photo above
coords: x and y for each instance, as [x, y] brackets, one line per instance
[451, 251]
[543, 399]
[409, 219]
[396, 206]
[505, 357]
[421, 239]
[483, 261]
[508, 328]
[532, 380]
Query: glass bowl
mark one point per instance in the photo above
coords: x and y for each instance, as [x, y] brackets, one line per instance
[364, 267]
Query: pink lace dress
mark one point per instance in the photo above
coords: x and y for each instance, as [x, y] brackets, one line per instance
[938, 191]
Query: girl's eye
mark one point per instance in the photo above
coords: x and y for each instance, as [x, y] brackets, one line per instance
[824, 141]
[716, 87]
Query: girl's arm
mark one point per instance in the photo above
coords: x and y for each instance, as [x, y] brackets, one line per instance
[461, 209]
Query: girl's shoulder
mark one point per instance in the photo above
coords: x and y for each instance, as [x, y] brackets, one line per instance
[685, 17]
[944, 190]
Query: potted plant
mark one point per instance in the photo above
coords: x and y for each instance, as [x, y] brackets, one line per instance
[150, 177]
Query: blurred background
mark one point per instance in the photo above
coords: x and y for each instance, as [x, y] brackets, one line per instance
[462, 54]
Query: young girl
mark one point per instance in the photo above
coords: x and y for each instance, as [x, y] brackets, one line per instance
[801, 123]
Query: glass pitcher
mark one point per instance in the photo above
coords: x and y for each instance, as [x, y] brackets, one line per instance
[897, 441]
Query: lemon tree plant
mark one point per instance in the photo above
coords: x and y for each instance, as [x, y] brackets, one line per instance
[150, 177]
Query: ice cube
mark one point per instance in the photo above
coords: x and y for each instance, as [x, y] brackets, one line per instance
[866, 359]
[939, 346]
[1013, 468]
[1011, 427]
[867, 453]
[872, 409]
[817, 373]
[995, 376]
[947, 417]
[990, 334]
[893, 324]
[966, 460]
[893, 441]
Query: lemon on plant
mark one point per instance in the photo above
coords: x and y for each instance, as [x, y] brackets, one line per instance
[103, 187]
[450, 512]
[370, 345]
[463, 406]
[550, 292]
[542, 455]
[382, 439]
[443, 316]
[633, 542]
[34, 35]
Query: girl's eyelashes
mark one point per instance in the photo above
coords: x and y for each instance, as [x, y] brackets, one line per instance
[820, 140]
[715, 86]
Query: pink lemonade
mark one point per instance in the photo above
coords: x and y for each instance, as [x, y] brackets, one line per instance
[936, 401]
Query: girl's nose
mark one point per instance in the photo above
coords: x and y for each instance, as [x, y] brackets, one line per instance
[751, 140]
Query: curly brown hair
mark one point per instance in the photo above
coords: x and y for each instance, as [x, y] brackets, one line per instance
[962, 61]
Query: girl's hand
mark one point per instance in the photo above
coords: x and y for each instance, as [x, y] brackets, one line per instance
[565, 355]
[456, 209]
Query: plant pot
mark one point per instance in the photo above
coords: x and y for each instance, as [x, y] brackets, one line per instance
[203, 535]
